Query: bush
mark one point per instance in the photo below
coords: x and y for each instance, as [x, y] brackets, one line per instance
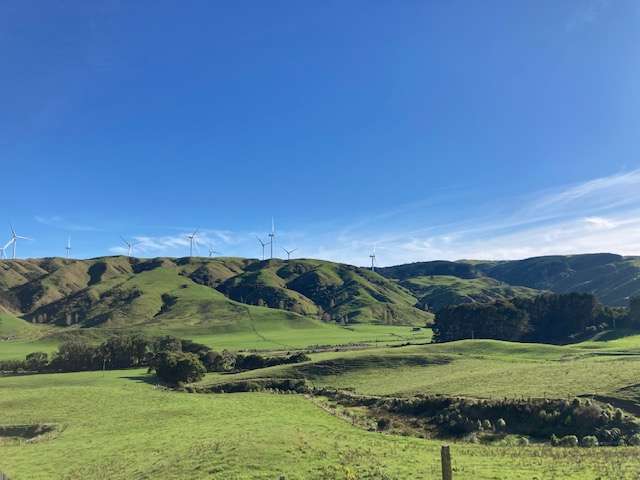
[501, 425]
[634, 440]
[384, 424]
[589, 441]
[569, 441]
[175, 367]
[12, 366]
[36, 361]
[74, 356]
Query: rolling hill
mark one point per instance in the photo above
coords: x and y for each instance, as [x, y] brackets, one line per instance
[611, 278]
[437, 291]
[199, 294]
[206, 296]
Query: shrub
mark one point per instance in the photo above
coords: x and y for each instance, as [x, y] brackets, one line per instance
[36, 361]
[634, 440]
[75, 355]
[12, 366]
[486, 425]
[175, 367]
[501, 425]
[569, 441]
[384, 424]
[589, 441]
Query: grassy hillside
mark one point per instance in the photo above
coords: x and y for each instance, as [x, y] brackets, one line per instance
[333, 291]
[612, 278]
[475, 368]
[435, 292]
[201, 292]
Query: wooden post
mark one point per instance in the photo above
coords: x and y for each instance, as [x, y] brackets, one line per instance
[445, 455]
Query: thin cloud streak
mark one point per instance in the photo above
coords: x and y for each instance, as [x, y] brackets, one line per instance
[599, 215]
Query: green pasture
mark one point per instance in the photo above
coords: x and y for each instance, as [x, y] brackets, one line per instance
[118, 425]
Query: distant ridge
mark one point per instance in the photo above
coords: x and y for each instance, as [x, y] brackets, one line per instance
[610, 277]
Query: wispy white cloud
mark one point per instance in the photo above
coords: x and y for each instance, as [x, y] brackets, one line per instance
[598, 215]
[178, 244]
[595, 216]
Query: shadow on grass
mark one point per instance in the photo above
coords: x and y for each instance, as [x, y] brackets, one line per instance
[149, 379]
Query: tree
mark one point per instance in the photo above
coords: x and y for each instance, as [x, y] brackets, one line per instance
[124, 351]
[176, 367]
[167, 343]
[75, 355]
[634, 311]
[500, 320]
[36, 361]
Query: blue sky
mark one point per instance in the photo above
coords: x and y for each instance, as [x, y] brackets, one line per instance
[427, 129]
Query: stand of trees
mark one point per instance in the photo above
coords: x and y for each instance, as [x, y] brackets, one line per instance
[173, 359]
[549, 318]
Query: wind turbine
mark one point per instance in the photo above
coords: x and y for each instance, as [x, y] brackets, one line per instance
[4, 248]
[289, 252]
[264, 244]
[193, 240]
[68, 247]
[272, 236]
[14, 241]
[212, 252]
[130, 244]
[373, 260]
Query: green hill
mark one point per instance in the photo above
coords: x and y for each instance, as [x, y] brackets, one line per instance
[611, 278]
[199, 294]
[438, 291]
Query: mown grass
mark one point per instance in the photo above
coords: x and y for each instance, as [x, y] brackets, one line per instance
[116, 425]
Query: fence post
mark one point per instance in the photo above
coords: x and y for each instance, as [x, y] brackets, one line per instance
[445, 455]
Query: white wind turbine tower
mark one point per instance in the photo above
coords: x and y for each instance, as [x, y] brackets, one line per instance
[212, 252]
[68, 247]
[373, 260]
[263, 244]
[129, 244]
[4, 248]
[272, 236]
[193, 241]
[14, 241]
[289, 252]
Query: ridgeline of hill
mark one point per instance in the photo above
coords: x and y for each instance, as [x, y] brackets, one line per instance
[199, 293]
[613, 279]
[218, 295]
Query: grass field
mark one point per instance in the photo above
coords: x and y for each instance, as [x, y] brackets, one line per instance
[480, 368]
[267, 334]
[118, 426]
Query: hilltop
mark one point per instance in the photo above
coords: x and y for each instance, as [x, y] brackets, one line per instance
[205, 296]
[200, 293]
[613, 279]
